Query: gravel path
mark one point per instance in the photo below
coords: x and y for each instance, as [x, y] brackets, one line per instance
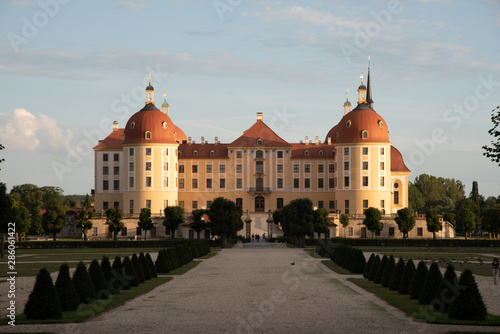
[255, 290]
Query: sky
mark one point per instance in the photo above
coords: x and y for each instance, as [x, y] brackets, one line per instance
[70, 68]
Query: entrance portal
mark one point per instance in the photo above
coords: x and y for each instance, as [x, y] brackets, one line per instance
[259, 204]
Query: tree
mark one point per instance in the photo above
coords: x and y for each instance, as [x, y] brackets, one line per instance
[114, 221]
[1, 148]
[83, 284]
[433, 223]
[468, 305]
[65, 290]
[98, 280]
[84, 220]
[344, 220]
[432, 284]
[397, 274]
[36, 227]
[43, 302]
[174, 216]
[151, 265]
[430, 192]
[145, 222]
[404, 284]
[138, 268]
[405, 221]
[130, 272]
[368, 267]
[418, 280]
[320, 222]
[493, 150]
[88, 202]
[389, 269]
[225, 219]
[145, 266]
[198, 224]
[465, 217]
[372, 220]
[6, 215]
[53, 220]
[297, 221]
[380, 270]
[448, 292]
[491, 220]
[21, 216]
[474, 197]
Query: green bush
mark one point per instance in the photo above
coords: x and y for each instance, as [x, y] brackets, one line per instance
[469, 303]
[172, 257]
[374, 268]
[65, 290]
[161, 262]
[98, 280]
[83, 284]
[151, 266]
[366, 272]
[389, 269]
[43, 301]
[447, 290]
[380, 270]
[145, 266]
[359, 262]
[418, 280]
[131, 275]
[396, 275]
[404, 284]
[431, 289]
[138, 269]
[112, 283]
[121, 282]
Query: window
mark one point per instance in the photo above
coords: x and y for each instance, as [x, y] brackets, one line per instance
[320, 204]
[331, 204]
[124, 231]
[307, 168]
[105, 185]
[238, 154]
[382, 181]
[296, 183]
[209, 168]
[148, 165]
[396, 185]
[131, 182]
[306, 153]
[222, 183]
[238, 168]
[239, 202]
[382, 203]
[132, 125]
[365, 165]
[391, 231]
[105, 170]
[396, 197]
[350, 231]
[105, 157]
[165, 182]
[148, 151]
[365, 181]
[148, 203]
[259, 154]
[307, 183]
[380, 124]
[195, 204]
[116, 205]
[382, 151]
[148, 181]
[346, 165]
[181, 169]
[364, 135]
[194, 168]
[280, 183]
[279, 203]
[181, 183]
[259, 141]
[195, 153]
[348, 124]
[346, 151]
[131, 206]
[95, 231]
[181, 204]
[131, 152]
[105, 206]
[320, 183]
[165, 150]
[331, 183]
[116, 184]
[332, 153]
[295, 168]
[320, 153]
[280, 154]
[320, 168]
[382, 165]
[209, 183]
[194, 183]
[259, 166]
[116, 157]
[419, 231]
[165, 166]
[239, 183]
[346, 181]
[346, 206]
[365, 204]
[131, 166]
[222, 169]
[138, 231]
[147, 135]
[280, 168]
[331, 168]
[365, 150]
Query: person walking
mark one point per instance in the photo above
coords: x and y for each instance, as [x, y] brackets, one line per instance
[494, 267]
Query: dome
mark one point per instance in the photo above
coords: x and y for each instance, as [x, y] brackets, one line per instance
[150, 125]
[165, 104]
[347, 103]
[353, 125]
[362, 87]
[149, 87]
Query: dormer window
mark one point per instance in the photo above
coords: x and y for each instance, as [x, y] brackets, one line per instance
[259, 141]
[132, 125]
[364, 134]
[164, 124]
[147, 135]
[348, 124]
[195, 153]
[306, 153]
[320, 153]
[380, 124]
[212, 153]
[332, 153]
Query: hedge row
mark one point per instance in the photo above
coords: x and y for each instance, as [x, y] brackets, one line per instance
[419, 242]
[349, 258]
[158, 243]
[325, 248]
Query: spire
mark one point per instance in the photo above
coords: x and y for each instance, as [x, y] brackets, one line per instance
[150, 91]
[347, 104]
[361, 91]
[165, 105]
[369, 99]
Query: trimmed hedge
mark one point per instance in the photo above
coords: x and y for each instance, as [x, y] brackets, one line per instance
[145, 266]
[97, 277]
[151, 265]
[397, 274]
[431, 289]
[447, 294]
[43, 302]
[404, 284]
[417, 282]
[389, 269]
[156, 243]
[83, 284]
[65, 290]
[469, 303]
[128, 268]
[418, 242]
[138, 268]
[368, 267]
[374, 268]
[380, 270]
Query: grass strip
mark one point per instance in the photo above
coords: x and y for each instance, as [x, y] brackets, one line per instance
[412, 308]
[185, 268]
[313, 253]
[336, 268]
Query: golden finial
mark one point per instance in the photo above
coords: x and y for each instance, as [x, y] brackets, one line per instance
[149, 78]
[361, 76]
[368, 61]
[165, 95]
[347, 94]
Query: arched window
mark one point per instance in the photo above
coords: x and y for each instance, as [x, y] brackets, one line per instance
[259, 154]
[164, 124]
[195, 153]
[212, 153]
[332, 153]
[364, 134]
[380, 124]
[259, 166]
[320, 153]
[348, 124]
[306, 153]
[147, 135]
[132, 125]
[259, 141]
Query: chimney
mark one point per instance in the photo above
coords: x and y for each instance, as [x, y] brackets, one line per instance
[307, 140]
[216, 140]
[260, 116]
[115, 126]
[189, 140]
[202, 140]
[316, 139]
[329, 140]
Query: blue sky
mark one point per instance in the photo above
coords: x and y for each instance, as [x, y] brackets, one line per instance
[69, 68]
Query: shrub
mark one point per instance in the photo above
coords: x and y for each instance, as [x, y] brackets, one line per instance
[418, 280]
[83, 284]
[431, 289]
[396, 275]
[151, 265]
[366, 272]
[374, 268]
[389, 269]
[119, 274]
[161, 262]
[112, 283]
[138, 268]
[97, 277]
[43, 301]
[469, 303]
[145, 266]
[404, 284]
[172, 257]
[131, 275]
[380, 270]
[447, 293]
[359, 262]
[169, 262]
[65, 290]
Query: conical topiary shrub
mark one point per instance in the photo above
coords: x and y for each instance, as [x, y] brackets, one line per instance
[130, 273]
[83, 284]
[469, 303]
[138, 268]
[151, 265]
[112, 283]
[397, 274]
[160, 263]
[65, 290]
[404, 284]
[97, 277]
[448, 290]
[172, 256]
[417, 282]
[43, 301]
[120, 282]
[380, 270]
[374, 268]
[359, 262]
[432, 285]
[145, 266]
[368, 266]
[389, 269]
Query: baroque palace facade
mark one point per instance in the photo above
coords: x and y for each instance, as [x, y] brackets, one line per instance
[151, 163]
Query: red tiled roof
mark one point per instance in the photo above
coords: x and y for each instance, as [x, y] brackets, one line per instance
[397, 162]
[186, 151]
[259, 131]
[113, 141]
[299, 151]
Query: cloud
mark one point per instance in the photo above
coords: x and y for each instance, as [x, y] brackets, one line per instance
[23, 131]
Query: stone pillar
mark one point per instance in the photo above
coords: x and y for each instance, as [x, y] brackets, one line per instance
[248, 222]
[270, 222]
